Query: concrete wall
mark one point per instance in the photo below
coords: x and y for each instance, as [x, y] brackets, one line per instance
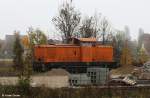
[79, 79]
[47, 81]
[98, 75]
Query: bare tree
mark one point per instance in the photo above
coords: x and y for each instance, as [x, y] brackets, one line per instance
[118, 43]
[67, 21]
[90, 26]
[86, 29]
[105, 31]
[98, 27]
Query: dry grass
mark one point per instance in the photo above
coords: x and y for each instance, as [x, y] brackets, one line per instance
[6, 62]
[6, 68]
[7, 71]
[123, 70]
[88, 92]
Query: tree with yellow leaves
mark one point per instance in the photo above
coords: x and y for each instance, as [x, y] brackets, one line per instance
[126, 58]
[25, 41]
[143, 57]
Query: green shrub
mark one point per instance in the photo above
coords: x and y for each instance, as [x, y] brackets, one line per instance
[24, 86]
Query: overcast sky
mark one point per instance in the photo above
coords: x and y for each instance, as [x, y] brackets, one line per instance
[21, 14]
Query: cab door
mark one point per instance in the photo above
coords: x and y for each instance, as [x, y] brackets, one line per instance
[86, 53]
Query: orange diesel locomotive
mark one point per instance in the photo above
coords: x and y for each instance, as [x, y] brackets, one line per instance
[75, 57]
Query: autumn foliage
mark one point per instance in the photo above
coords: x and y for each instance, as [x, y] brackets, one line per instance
[25, 41]
[126, 58]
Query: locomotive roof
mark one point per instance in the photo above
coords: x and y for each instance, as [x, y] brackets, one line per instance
[58, 45]
[69, 45]
[87, 39]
